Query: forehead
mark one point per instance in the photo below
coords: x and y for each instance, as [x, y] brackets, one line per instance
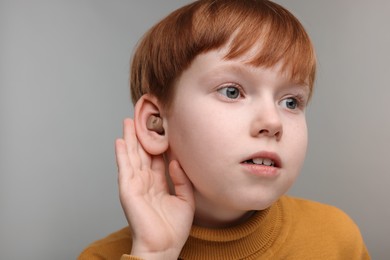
[247, 62]
[213, 69]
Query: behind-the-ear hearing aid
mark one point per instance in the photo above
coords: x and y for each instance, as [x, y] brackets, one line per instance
[155, 123]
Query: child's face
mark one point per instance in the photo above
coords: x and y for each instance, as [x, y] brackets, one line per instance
[227, 115]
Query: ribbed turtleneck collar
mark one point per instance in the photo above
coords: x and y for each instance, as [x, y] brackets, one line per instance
[246, 240]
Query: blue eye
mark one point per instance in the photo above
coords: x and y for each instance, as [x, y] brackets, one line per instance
[230, 92]
[291, 103]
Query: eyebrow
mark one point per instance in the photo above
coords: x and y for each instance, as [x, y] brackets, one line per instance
[245, 69]
[222, 70]
[304, 89]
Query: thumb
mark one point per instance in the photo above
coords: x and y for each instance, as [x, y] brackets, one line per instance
[183, 186]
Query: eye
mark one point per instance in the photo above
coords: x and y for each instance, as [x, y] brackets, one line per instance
[231, 92]
[291, 103]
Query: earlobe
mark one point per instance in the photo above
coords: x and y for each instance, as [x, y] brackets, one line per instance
[149, 125]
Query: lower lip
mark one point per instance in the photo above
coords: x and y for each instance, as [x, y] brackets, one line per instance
[261, 170]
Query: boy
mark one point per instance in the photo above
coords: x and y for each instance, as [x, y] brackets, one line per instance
[219, 135]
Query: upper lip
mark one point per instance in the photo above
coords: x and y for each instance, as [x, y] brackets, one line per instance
[266, 155]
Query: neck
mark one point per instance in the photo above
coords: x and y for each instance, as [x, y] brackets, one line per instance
[212, 216]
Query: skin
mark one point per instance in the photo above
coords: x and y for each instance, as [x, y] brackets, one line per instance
[224, 113]
[146, 201]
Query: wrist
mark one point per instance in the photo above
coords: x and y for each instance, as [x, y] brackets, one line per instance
[155, 255]
[147, 254]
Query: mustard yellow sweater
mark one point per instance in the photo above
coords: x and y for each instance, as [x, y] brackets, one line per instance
[290, 229]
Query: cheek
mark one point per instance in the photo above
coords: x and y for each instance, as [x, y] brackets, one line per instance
[196, 138]
[200, 125]
[298, 138]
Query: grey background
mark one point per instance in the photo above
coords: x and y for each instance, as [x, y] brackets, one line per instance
[64, 92]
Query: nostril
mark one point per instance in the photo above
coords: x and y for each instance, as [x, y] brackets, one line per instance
[277, 133]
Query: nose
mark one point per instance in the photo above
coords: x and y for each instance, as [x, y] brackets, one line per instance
[267, 122]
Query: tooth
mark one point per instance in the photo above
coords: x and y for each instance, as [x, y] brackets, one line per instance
[258, 161]
[268, 162]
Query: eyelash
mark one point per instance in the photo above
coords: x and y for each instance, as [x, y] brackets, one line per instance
[299, 99]
[232, 86]
[300, 102]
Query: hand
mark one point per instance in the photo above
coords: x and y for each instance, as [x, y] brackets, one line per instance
[160, 222]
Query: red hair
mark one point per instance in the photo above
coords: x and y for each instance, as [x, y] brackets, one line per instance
[169, 47]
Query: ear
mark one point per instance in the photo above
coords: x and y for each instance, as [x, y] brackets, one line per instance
[154, 141]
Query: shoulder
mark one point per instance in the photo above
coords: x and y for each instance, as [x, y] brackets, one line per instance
[315, 224]
[309, 208]
[312, 212]
[111, 247]
[317, 215]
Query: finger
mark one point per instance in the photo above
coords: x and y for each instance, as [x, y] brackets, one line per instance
[145, 158]
[132, 143]
[158, 164]
[125, 171]
[138, 156]
[159, 173]
[183, 186]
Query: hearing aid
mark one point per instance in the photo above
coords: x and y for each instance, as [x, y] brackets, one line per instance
[155, 123]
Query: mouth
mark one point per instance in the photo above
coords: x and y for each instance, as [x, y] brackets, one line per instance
[265, 159]
[261, 161]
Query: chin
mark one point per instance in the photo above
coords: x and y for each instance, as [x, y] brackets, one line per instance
[262, 202]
